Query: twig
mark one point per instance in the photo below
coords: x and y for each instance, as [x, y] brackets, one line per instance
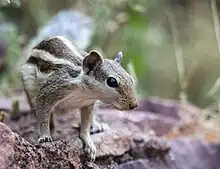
[217, 34]
[14, 113]
[179, 58]
[2, 116]
[216, 85]
[216, 23]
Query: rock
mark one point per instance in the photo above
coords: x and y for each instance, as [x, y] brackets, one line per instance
[18, 153]
[150, 148]
[137, 164]
[7, 141]
[184, 154]
[145, 121]
[120, 149]
[189, 153]
[168, 108]
[113, 143]
[165, 116]
[130, 143]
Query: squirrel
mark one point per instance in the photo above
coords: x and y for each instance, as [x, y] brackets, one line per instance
[58, 71]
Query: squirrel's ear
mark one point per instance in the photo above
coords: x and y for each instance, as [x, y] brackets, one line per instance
[92, 60]
[119, 57]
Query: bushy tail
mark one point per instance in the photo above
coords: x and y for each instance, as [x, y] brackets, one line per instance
[71, 24]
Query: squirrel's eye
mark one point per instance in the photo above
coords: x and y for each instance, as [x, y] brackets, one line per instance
[112, 82]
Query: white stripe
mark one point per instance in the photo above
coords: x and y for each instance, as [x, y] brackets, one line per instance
[48, 57]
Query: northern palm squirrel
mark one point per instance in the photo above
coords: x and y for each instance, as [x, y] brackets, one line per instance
[58, 71]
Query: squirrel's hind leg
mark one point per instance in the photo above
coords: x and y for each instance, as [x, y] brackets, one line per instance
[43, 118]
[97, 126]
[52, 125]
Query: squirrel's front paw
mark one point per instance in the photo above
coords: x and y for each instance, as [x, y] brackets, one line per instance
[45, 139]
[90, 151]
[98, 127]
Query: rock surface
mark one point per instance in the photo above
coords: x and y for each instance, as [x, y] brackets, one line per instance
[116, 149]
[7, 142]
[112, 147]
[134, 142]
[185, 154]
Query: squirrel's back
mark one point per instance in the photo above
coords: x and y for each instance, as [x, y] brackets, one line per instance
[47, 56]
[61, 48]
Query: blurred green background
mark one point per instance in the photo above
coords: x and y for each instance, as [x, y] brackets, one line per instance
[170, 46]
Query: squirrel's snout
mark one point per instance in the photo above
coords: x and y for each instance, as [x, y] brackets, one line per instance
[133, 105]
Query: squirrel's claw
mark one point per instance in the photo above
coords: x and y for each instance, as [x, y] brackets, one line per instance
[90, 151]
[98, 127]
[45, 139]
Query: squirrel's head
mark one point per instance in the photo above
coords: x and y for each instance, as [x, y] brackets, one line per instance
[109, 81]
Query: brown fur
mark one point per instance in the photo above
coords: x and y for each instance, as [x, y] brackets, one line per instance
[58, 72]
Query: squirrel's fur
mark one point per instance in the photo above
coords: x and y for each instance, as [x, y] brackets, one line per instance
[57, 71]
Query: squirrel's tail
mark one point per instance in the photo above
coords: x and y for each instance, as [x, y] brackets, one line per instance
[72, 24]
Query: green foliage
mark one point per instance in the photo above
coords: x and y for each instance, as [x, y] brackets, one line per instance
[129, 37]
[147, 42]
[10, 78]
[134, 44]
[143, 31]
[16, 3]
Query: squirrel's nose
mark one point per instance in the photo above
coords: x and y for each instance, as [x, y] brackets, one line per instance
[133, 105]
